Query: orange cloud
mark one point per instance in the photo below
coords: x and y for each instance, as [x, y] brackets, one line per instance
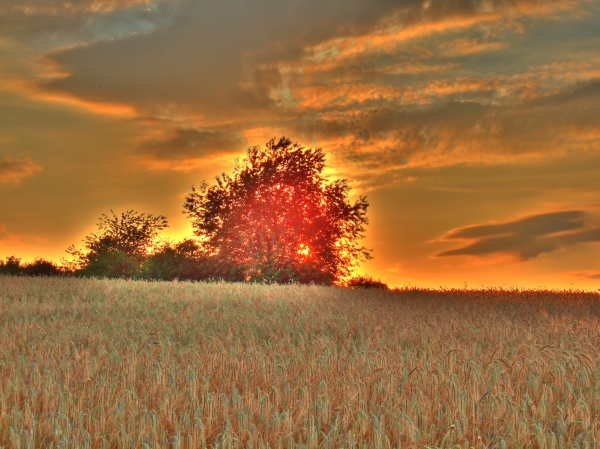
[58, 8]
[466, 46]
[586, 274]
[6, 236]
[34, 91]
[414, 68]
[320, 97]
[537, 82]
[387, 39]
[186, 149]
[14, 170]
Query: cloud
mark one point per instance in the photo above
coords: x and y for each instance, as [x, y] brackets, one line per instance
[487, 129]
[587, 274]
[466, 46]
[5, 235]
[228, 74]
[14, 170]
[414, 68]
[32, 90]
[185, 147]
[66, 23]
[217, 59]
[372, 81]
[527, 237]
[414, 21]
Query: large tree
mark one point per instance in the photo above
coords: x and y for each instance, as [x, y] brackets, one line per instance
[278, 218]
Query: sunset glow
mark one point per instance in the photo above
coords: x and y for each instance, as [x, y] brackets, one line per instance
[303, 250]
[473, 127]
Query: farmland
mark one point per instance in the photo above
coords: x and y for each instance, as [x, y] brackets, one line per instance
[123, 364]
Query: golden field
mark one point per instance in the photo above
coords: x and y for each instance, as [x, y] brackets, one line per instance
[123, 364]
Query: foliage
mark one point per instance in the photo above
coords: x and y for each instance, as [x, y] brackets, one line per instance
[182, 261]
[39, 267]
[119, 247]
[11, 266]
[110, 263]
[366, 282]
[277, 218]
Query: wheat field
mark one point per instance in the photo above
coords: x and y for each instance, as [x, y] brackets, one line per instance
[87, 363]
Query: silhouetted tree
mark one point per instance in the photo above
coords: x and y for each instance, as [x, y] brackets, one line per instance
[119, 247]
[277, 218]
[366, 282]
[41, 267]
[11, 266]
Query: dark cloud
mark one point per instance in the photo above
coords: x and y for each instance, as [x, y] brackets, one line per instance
[14, 170]
[528, 237]
[214, 57]
[533, 226]
[222, 57]
[186, 144]
[57, 22]
[583, 95]
[345, 74]
[587, 274]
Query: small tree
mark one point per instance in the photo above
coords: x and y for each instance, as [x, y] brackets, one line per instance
[11, 266]
[277, 218]
[41, 267]
[119, 247]
[184, 261]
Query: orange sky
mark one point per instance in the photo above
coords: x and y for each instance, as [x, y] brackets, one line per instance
[473, 127]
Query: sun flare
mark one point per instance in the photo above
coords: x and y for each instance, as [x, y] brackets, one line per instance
[303, 249]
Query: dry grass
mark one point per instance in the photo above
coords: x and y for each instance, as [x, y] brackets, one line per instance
[96, 363]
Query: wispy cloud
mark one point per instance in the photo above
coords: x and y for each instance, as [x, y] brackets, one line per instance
[6, 236]
[587, 274]
[14, 170]
[185, 148]
[528, 237]
[466, 46]
[67, 23]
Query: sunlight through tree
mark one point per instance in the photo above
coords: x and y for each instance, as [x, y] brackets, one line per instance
[277, 218]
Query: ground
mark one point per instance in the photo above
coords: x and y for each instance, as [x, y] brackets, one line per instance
[111, 363]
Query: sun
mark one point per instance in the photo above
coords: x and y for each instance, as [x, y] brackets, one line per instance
[303, 249]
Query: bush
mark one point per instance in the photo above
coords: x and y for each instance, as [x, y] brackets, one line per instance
[366, 282]
[41, 267]
[182, 261]
[11, 266]
[110, 264]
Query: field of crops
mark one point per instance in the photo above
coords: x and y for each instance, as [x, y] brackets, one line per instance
[120, 364]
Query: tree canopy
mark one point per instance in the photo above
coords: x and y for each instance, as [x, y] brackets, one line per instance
[278, 218]
[39, 267]
[120, 245]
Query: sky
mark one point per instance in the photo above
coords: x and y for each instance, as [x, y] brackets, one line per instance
[472, 126]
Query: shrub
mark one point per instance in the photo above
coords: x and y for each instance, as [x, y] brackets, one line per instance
[366, 282]
[10, 266]
[41, 267]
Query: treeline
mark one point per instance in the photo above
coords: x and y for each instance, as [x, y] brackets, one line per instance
[275, 219]
[167, 261]
[179, 261]
[39, 267]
